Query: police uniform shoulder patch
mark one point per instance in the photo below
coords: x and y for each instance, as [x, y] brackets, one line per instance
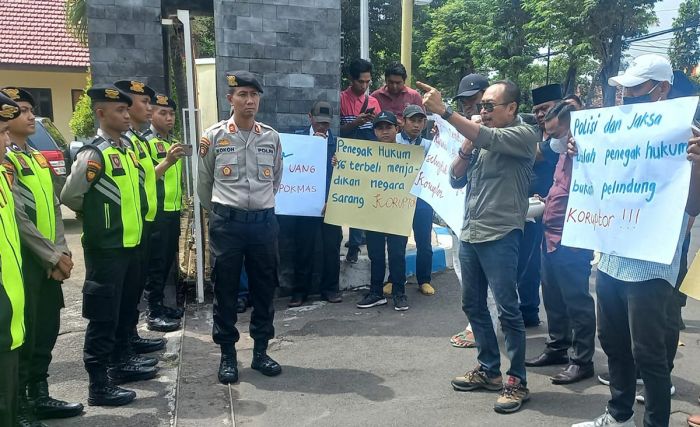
[204, 145]
[93, 169]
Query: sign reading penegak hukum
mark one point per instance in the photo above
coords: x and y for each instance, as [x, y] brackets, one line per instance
[370, 186]
[630, 179]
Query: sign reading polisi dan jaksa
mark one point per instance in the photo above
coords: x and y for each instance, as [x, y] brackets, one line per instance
[630, 179]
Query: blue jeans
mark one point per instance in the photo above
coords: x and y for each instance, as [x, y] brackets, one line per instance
[529, 272]
[494, 264]
[422, 228]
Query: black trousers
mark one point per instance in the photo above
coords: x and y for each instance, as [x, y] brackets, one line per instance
[233, 243]
[568, 302]
[332, 236]
[111, 276]
[9, 365]
[163, 246]
[300, 232]
[43, 299]
[377, 246]
[529, 271]
[632, 330]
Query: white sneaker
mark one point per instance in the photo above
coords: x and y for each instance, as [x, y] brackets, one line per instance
[606, 420]
[640, 397]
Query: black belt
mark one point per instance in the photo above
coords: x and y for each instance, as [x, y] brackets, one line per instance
[242, 216]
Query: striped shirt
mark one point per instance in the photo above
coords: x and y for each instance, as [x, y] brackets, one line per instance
[634, 270]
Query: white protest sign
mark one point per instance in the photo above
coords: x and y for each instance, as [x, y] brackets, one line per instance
[302, 191]
[630, 179]
[432, 184]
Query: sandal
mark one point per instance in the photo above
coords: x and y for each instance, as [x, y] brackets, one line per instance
[464, 339]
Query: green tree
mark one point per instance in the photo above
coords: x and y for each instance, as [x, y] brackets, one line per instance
[76, 20]
[685, 50]
[82, 123]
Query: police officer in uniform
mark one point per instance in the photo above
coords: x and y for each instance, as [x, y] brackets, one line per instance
[240, 171]
[166, 230]
[140, 113]
[46, 263]
[11, 286]
[105, 182]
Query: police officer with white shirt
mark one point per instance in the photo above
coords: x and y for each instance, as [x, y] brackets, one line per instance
[240, 169]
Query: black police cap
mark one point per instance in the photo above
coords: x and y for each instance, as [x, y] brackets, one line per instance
[163, 100]
[108, 93]
[8, 108]
[243, 79]
[135, 87]
[18, 94]
[546, 93]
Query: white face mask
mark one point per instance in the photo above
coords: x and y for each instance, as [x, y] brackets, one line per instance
[558, 145]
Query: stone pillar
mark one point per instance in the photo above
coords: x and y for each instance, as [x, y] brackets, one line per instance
[126, 41]
[292, 45]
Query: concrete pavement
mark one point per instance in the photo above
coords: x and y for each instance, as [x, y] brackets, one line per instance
[342, 367]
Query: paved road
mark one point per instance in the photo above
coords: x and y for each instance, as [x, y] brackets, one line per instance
[345, 367]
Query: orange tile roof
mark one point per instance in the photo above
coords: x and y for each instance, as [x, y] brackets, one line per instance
[34, 33]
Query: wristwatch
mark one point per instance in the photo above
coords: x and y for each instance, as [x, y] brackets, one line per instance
[448, 113]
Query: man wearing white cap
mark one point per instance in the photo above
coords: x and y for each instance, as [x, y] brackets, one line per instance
[633, 294]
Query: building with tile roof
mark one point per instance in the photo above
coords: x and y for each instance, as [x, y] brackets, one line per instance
[36, 52]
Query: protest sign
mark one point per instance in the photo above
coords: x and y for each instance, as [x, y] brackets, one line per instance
[691, 282]
[432, 184]
[370, 186]
[630, 179]
[302, 191]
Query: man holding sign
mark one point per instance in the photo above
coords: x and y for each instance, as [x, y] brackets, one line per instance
[495, 163]
[633, 294]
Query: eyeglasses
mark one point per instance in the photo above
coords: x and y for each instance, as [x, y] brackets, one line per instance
[489, 106]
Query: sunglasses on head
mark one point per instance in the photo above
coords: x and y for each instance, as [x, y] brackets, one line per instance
[489, 106]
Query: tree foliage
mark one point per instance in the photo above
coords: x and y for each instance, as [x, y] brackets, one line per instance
[684, 51]
[76, 20]
[82, 122]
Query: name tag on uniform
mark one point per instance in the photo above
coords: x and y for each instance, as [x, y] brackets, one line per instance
[266, 150]
[220, 149]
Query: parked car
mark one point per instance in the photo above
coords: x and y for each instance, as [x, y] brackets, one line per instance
[52, 145]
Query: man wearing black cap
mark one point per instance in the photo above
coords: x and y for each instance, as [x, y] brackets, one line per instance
[162, 319]
[304, 229]
[11, 284]
[386, 128]
[164, 239]
[46, 263]
[240, 170]
[471, 89]
[543, 98]
[105, 176]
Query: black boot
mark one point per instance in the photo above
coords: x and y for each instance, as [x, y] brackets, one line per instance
[173, 312]
[158, 321]
[125, 373]
[104, 393]
[264, 363]
[145, 345]
[46, 407]
[228, 368]
[25, 411]
[132, 358]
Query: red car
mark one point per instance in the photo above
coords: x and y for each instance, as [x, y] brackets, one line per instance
[52, 145]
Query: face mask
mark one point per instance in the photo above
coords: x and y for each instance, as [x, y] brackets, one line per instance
[627, 100]
[558, 145]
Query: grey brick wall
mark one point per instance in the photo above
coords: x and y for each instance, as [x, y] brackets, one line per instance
[292, 45]
[126, 42]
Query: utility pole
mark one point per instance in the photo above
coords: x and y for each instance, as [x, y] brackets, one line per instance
[406, 36]
[364, 29]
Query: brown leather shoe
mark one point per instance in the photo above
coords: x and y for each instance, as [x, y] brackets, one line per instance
[694, 420]
[333, 298]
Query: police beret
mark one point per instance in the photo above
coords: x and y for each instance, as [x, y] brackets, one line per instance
[108, 93]
[162, 100]
[546, 93]
[135, 87]
[242, 79]
[18, 94]
[8, 109]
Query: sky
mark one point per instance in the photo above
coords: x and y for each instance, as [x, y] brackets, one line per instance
[666, 11]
